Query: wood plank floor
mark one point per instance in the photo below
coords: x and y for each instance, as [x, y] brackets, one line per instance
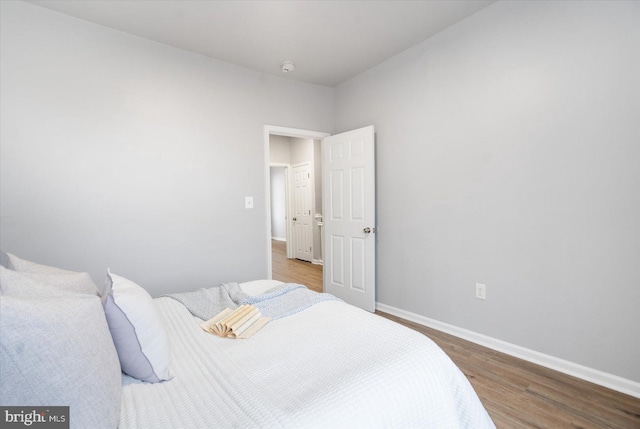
[516, 393]
[294, 270]
[520, 394]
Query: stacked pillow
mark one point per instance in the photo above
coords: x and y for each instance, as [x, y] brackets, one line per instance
[135, 326]
[61, 280]
[55, 345]
[137, 329]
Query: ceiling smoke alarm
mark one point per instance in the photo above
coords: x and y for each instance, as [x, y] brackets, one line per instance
[287, 66]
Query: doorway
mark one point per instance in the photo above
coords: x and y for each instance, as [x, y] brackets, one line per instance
[304, 149]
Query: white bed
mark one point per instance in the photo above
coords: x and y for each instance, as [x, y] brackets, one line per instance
[329, 366]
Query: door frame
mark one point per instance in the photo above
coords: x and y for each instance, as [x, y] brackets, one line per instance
[287, 132]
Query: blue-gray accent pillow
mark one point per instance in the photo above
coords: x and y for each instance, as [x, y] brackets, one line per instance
[70, 280]
[57, 351]
[39, 285]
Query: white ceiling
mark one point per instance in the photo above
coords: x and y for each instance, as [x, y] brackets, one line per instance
[329, 41]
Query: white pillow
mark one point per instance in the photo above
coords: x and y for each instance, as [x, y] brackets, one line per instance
[71, 281]
[137, 330]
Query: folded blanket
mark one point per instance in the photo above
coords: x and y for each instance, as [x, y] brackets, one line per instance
[280, 301]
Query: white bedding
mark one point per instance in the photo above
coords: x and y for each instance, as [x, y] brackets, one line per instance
[331, 365]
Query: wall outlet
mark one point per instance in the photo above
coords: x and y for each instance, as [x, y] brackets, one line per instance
[248, 202]
[481, 291]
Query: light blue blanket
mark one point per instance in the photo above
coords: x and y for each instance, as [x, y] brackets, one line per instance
[280, 301]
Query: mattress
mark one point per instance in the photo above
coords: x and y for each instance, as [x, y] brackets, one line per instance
[331, 365]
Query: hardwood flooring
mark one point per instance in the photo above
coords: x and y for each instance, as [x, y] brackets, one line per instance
[294, 270]
[519, 394]
[516, 393]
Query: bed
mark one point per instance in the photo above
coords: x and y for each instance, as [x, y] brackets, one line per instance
[329, 365]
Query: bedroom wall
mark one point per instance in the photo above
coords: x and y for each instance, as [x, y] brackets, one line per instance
[507, 154]
[118, 151]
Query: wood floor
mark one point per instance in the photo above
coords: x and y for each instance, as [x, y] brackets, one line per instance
[520, 394]
[294, 270]
[516, 393]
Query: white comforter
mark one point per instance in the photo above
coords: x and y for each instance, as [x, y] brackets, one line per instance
[329, 366]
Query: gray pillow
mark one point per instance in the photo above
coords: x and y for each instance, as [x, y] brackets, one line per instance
[39, 285]
[22, 285]
[64, 279]
[4, 259]
[58, 352]
[19, 264]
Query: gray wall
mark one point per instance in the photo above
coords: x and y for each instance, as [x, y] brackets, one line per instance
[317, 174]
[509, 154]
[301, 151]
[278, 203]
[279, 149]
[121, 152]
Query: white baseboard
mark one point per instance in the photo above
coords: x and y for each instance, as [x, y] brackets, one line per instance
[278, 238]
[601, 378]
[317, 262]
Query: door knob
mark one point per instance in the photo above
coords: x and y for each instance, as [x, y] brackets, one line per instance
[367, 230]
[295, 219]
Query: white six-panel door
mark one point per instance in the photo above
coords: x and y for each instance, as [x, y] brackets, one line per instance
[301, 221]
[348, 183]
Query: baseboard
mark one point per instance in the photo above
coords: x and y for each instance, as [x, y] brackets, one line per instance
[317, 262]
[601, 378]
[278, 238]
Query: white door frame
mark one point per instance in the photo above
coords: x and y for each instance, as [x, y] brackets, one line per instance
[287, 132]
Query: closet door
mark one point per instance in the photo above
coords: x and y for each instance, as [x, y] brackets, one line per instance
[302, 218]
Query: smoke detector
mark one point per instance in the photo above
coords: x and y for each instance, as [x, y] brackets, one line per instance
[287, 66]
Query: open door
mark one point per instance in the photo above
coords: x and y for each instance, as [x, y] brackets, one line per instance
[348, 183]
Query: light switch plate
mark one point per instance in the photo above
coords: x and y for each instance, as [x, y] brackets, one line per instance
[481, 291]
[248, 202]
